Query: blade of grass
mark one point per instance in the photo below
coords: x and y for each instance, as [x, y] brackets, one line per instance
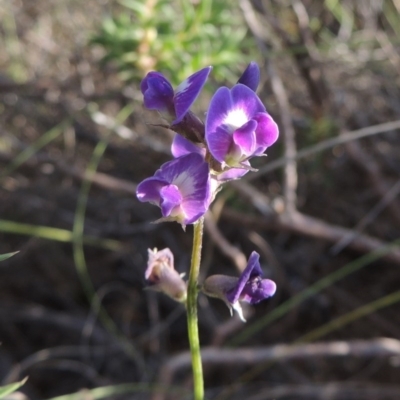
[114, 390]
[323, 283]
[59, 235]
[11, 388]
[77, 242]
[26, 154]
[352, 316]
[79, 220]
[7, 255]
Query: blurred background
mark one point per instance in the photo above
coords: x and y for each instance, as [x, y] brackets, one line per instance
[322, 210]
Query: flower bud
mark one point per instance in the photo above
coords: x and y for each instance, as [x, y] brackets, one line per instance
[161, 275]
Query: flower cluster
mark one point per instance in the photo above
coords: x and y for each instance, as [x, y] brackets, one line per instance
[206, 154]
[237, 128]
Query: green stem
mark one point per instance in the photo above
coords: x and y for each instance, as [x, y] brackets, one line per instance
[191, 306]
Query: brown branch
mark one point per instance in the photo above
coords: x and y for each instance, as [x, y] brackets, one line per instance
[345, 137]
[290, 183]
[331, 391]
[309, 226]
[373, 171]
[381, 347]
[238, 258]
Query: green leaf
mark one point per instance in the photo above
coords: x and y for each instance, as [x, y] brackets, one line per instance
[8, 255]
[12, 387]
[137, 6]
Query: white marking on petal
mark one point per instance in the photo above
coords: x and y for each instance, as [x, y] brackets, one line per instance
[182, 87]
[185, 183]
[235, 119]
[238, 308]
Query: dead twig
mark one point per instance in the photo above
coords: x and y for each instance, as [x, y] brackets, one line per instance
[309, 226]
[381, 347]
[290, 183]
[238, 258]
[345, 137]
[330, 391]
[368, 218]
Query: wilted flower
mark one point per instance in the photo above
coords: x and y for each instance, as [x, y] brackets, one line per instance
[181, 188]
[249, 287]
[238, 126]
[161, 275]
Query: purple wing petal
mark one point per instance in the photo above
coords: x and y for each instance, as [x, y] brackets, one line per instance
[233, 173]
[217, 135]
[245, 99]
[187, 92]
[158, 92]
[245, 137]
[258, 290]
[253, 265]
[267, 131]
[253, 269]
[149, 190]
[181, 147]
[219, 143]
[196, 191]
[170, 198]
[220, 105]
[251, 76]
[179, 168]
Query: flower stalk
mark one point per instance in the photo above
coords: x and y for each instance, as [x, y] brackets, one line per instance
[206, 155]
[191, 309]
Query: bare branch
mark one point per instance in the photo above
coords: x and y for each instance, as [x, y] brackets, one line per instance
[381, 347]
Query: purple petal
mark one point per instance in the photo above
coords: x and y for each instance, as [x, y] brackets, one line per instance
[219, 143]
[170, 198]
[233, 173]
[245, 137]
[245, 99]
[181, 187]
[230, 110]
[179, 169]
[190, 173]
[258, 290]
[220, 105]
[158, 92]
[149, 190]
[267, 131]
[252, 270]
[187, 92]
[181, 147]
[251, 76]
[218, 137]
[197, 197]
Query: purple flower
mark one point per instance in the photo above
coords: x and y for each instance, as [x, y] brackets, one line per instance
[181, 188]
[161, 275]
[251, 76]
[159, 94]
[249, 287]
[181, 146]
[238, 126]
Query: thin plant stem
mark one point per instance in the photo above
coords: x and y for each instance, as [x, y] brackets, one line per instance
[191, 308]
[78, 248]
